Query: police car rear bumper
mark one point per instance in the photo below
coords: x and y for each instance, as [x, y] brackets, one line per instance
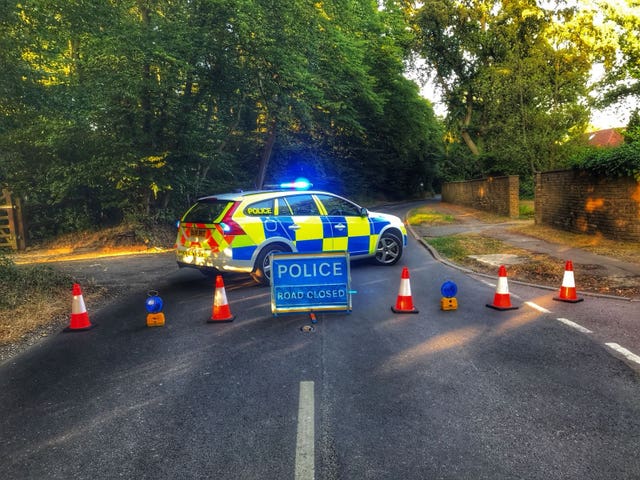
[211, 263]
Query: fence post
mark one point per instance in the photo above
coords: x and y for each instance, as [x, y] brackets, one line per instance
[11, 222]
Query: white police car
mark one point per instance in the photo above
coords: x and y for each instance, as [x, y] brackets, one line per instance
[237, 231]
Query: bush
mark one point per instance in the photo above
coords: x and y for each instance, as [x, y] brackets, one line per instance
[18, 283]
[623, 161]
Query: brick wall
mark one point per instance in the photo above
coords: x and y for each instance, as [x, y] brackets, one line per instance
[498, 195]
[577, 201]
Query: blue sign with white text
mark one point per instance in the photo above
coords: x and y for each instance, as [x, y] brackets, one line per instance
[310, 282]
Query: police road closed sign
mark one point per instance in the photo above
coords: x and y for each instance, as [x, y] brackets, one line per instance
[310, 282]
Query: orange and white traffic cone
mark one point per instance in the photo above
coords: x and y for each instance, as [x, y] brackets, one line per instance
[79, 316]
[221, 311]
[568, 288]
[502, 299]
[404, 302]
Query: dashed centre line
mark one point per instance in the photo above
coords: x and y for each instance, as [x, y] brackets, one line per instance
[624, 352]
[614, 346]
[575, 325]
[305, 453]
[537, 307]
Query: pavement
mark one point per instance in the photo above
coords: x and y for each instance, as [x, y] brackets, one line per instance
[468, 221]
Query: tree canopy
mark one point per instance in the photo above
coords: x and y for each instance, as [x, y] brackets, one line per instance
[137, 107]
[514, 76]
[134, 108]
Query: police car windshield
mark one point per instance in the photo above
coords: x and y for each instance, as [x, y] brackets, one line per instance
[206, 211]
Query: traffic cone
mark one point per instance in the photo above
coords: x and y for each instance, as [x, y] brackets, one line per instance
[221, 311]
[79, 316]
[502, 299]
[404, 303]
[568, 288]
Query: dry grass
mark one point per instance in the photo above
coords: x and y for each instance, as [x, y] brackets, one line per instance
[538, 269]
[628, 251]
[36, 299]
[18, 322]
[41, 313]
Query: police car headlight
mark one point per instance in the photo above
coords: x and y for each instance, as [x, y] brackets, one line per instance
[227, 252]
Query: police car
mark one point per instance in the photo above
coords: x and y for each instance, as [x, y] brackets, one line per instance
[238, 231]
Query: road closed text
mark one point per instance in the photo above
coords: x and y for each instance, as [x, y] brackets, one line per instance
[327, 294]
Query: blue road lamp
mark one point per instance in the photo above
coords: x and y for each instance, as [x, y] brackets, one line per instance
[154, 304]
[448, 291]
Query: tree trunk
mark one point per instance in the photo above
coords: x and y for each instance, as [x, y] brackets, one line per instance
[465, 124]
[266, 155]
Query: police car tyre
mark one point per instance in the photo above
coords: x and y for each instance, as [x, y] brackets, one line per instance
[262, 271]
[389, 249]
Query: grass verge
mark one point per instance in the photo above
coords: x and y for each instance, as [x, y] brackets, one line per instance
[422, 216]
[537, 268]
[594, 243]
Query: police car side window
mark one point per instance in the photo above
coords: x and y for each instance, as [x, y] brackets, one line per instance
[283, 210]
[260, 209]
[339, 207]
[303, 205]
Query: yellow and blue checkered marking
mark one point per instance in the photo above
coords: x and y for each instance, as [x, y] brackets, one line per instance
[315, 234]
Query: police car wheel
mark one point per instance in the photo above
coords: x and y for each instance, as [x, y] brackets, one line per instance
[389, 249]
[262, 270]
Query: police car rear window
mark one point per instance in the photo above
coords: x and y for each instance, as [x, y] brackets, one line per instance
[206, 211]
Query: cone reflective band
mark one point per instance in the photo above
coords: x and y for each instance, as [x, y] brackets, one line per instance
[568, 288]
[502, 299]
[79, 316]
[221, 311]
[404, 302]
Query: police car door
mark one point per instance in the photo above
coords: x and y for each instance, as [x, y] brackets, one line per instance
[351, 229]
[301, 218]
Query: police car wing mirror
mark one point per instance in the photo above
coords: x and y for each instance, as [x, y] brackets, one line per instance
[364, 212]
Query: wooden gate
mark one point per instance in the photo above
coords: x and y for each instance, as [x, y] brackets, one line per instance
[11, 224]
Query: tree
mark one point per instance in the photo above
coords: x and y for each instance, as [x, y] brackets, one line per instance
[134, 108]
[621, 24]
[513, 75]
[632, 132]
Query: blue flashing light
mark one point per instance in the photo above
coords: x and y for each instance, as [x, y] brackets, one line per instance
[154, 303]
[449, 289]
[299, 184]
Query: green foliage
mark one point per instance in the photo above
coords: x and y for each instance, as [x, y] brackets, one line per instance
[112, 110]
[620, 25]
[632, 132]
[514, 78]
[623, 161]
[526, 210]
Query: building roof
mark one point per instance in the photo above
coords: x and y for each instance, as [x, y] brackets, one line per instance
[610, 137]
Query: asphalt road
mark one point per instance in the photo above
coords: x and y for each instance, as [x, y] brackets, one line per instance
[473, 393]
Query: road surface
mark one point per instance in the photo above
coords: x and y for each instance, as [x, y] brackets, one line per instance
[472, 393]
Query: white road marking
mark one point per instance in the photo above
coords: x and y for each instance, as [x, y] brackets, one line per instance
[578, 327]
[614, 346]
[305, 453]
[537, 307]
[623, 351]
